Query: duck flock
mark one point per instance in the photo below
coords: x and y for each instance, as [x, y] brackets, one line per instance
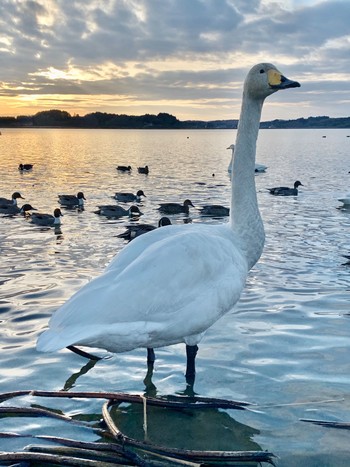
[11, 206]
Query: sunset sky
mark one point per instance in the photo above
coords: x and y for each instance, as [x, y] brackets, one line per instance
[185, 57]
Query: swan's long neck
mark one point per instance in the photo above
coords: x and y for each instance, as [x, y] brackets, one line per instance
[245, 216]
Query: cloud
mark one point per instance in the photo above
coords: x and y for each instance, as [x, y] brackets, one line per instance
[184, 55]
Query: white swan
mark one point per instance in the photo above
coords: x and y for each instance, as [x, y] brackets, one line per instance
[187, 276]
[259, 168]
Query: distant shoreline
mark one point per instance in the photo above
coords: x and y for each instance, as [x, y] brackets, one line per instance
[100, 120]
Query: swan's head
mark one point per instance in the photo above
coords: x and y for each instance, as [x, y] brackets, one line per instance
[264, 79]
[232, 146]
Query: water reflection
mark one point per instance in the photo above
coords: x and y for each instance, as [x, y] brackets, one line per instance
[58, 233]
[71, 381]
[197, 429]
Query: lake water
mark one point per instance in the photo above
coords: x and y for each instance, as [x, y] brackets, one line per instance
[285, 348]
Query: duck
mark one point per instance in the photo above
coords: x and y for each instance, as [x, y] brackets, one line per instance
[215, 210]
[285, 191]
[124, 168]
[188, 276]
[136, 230]
[345, 200]
[118, 211]
[25, 167]
[47, 219]
[259, 168]
[72, 200]
[143, 170]
[15, 196]
[129, 197]
[176, 208]
[12, 209]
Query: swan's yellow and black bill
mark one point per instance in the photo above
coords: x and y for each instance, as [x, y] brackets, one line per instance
[278, 81]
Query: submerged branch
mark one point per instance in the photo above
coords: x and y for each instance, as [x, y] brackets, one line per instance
[122, 449]
[341, 425]
[192, 402]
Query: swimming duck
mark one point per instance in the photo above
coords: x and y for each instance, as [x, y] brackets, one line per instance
[124, 168]
[215, 210]
[13, 199]
[176, 208]
[72, 200]
[25, 167]
[11, 209]
[258, 167]
[187, 276]
[118, 211]
[129, 197]
[47, 219]
[345, 200]
[286, 191]
[143, 170]
[136, 230]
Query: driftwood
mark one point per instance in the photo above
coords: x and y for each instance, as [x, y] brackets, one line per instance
[171, 401]
[122, 449]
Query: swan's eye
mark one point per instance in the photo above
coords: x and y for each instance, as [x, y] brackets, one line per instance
[262, 71]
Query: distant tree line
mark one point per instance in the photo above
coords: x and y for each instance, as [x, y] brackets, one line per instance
[61, 119]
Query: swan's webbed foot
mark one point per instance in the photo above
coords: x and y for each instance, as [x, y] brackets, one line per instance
[191, 352]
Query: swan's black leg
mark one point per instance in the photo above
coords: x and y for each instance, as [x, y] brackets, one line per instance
[82, 353]
[191, 352]
[150, 355]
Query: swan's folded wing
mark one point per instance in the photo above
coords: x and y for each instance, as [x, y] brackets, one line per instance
[183, 283]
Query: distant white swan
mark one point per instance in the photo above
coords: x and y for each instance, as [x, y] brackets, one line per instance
[171, 284]
[258, 167]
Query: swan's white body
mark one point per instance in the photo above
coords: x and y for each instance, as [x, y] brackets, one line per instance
[144, 299]
[171, 284]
